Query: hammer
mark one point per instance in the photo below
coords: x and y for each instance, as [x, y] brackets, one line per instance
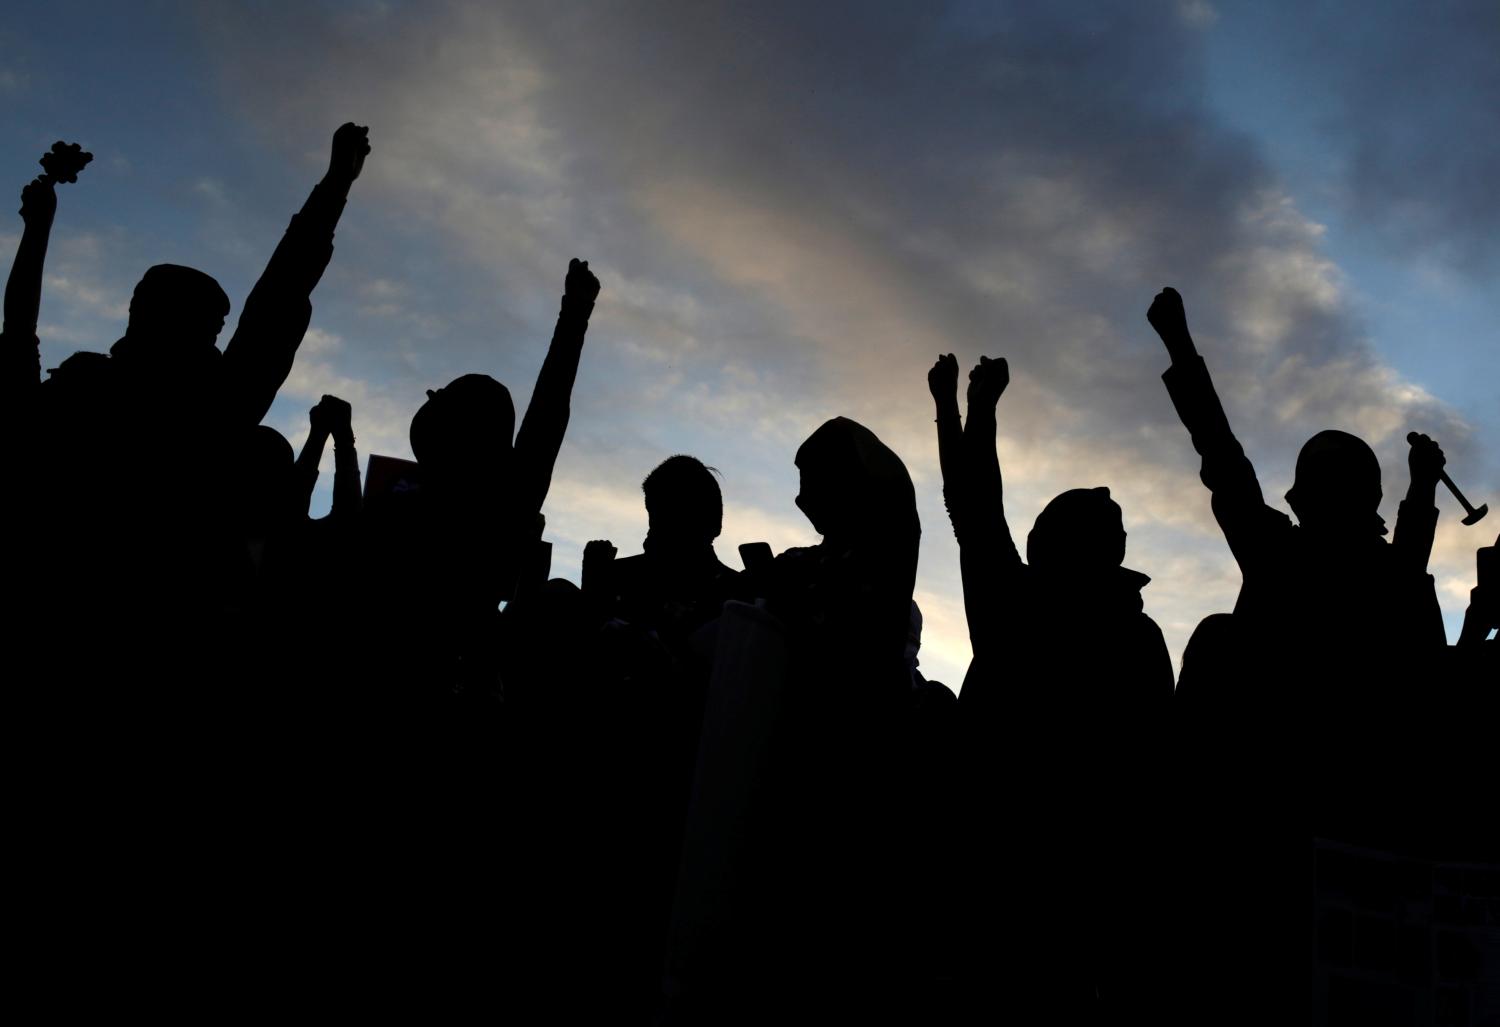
[1474, 515]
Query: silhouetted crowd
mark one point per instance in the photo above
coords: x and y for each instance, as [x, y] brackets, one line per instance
[381, 762]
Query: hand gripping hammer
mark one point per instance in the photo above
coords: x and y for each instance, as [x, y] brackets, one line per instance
[1474, 515]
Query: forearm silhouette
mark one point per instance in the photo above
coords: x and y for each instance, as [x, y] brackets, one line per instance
[540, 437]
[309, 458]
[330, 418]
[989, 562]
[1238, 503]
[942, 382]
[974, 492]
[279, 309]
[1416, 517]
[20, 356]
[347, 493]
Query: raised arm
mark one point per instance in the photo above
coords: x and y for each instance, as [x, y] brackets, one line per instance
[1416, 517]
[276, 315]
[987, 383]
[331, 418]
[347, 495]
[311, 455]
[20, 358]
[1238, 502]
[942, 382]
[987, 554]
[540, 437]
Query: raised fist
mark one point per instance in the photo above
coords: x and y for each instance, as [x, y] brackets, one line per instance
[1425, 460]
[1167, 315]
[581, 286]
[38, 201]
[351, 145]
[598, 555]
[988, 381]
[64, 162]
[942, 380]
[332, 416]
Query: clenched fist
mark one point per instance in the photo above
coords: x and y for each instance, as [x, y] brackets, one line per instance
[333, 416]
[598, 555]
[38, 202]
[351, 145]
[1425, 460]
[942, 380]
[1167, 315]
[988, 380]
[581, 286]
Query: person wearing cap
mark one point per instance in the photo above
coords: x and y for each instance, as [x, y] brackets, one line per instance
[442, 558]
[1325, 659]
[1326, 600]
[129, 454]
[135, 465]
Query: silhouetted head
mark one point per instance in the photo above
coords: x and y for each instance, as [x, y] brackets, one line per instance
[1337, 489]
[853, 485]
[1080, 532]
[914, 637]
[176, 314]
[263, 483]
[462, 434]
[684, 505]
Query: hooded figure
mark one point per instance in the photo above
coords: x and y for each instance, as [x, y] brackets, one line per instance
[820, 842]
[1061, 709]
[1026, 619]
[858, 583]
[176, 314]
[1075, 554]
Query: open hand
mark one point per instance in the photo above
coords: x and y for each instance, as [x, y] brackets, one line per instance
[942, 380]
[988, 380]
[581, 285]
[351, 145]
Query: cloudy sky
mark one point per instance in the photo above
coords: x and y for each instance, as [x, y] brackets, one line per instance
[795, 207]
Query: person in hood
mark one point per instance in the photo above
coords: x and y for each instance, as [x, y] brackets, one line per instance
[852, 592]
[1067, 692]
[1023, 615]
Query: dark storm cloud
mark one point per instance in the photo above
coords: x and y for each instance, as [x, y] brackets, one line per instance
[796, 206]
